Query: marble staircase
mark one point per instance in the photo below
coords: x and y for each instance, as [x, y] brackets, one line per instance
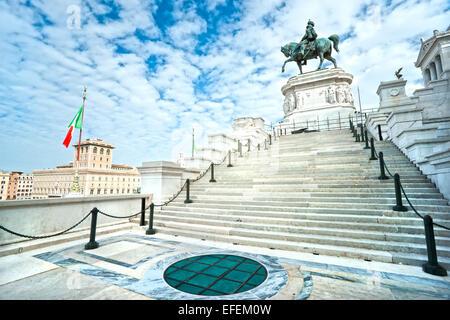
[317, 193]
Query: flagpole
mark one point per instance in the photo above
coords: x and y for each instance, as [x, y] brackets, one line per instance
[192, 142]
[81, 129]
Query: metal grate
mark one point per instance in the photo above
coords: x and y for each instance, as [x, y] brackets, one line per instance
[215, 275]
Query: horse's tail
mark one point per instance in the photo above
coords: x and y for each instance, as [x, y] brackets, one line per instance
[335, 39]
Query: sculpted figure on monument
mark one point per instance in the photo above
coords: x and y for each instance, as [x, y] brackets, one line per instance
[310, 47]
[349, 95]
[330, 95]
[340, 94]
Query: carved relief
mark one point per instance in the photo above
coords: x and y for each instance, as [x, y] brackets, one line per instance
[340, 95]
[299, 100]
[331, 97]
[349, 95]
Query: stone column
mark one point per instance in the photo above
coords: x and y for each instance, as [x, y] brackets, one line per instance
[437, 62]
[432, 68]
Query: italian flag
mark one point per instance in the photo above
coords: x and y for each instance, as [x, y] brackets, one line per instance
[76, 122]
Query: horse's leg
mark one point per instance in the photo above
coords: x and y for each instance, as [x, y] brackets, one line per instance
[321, 59]
[300, 66]
[284, 64]
[329, 57]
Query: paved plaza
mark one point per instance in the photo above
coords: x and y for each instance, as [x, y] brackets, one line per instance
[129, 265]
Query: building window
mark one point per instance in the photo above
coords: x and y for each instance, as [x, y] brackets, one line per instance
[106, 191]
[93, 165]
[92, 191]
[98, 191]
[107, 152]
[95, 150]
[111, 191]
[101, 151]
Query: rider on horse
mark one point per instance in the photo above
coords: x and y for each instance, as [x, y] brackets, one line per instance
[310, 39]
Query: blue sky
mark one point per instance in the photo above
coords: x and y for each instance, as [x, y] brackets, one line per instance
[156, 69]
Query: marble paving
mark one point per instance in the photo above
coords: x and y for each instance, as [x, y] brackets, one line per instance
[130, 265]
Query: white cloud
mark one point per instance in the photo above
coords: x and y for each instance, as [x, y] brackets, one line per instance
[148, 111]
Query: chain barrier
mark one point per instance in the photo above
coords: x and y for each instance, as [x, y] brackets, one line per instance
[130, 216]
[404, 193]
[43, 237]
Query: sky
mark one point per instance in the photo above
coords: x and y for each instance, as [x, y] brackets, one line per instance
[156, 69]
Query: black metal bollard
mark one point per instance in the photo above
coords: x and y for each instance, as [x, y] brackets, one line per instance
[362, 134]
[259, 148]
[188, 183]
[142, 212]
[150, 229]
[270, 139]
[382, 173]
[212, 173]
[350, 124]
[372, 150]
[379, 133]
[366, 140]
[432, 266]
[229, 159]
[92, 244]
[265, 144]
[398, 195]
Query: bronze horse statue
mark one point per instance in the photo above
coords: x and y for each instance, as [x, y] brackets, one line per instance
[323, 48]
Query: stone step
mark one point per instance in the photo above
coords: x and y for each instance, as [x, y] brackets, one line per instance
[286, 194]
[295, 226]
[289, 221]
[443, 211]
[342, 214]
[369, 244]
[282, 198]
[328, 250]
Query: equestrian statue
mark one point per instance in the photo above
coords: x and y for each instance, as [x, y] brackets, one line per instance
[310, 47]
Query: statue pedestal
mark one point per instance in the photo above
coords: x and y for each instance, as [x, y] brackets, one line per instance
[318, 99]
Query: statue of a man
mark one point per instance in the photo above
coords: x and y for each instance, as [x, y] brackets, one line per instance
[309, 38]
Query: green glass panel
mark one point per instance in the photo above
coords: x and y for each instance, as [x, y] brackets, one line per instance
[202, 280]
[208, 259]
[227, 263]
[189, 289]
[256, 279]
[227, 286]
[212, 293]
[238, 275]
[181, 275]
[215, 271]
[197, 267]
[247, 267]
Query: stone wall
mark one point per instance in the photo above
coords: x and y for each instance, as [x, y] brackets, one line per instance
[47, 216]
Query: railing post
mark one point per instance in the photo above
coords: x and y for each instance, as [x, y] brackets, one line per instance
[150, 229]
[382, 173]
[229, 159]
[432, 266]
[362, 133]
[212, 173]
[372, 150]
[265, 144]
[379, 133]
[357, 137]
[92, 244]
[142, 212]
[366, 140]
[187, 192]
[270, 139]
[398, 195]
